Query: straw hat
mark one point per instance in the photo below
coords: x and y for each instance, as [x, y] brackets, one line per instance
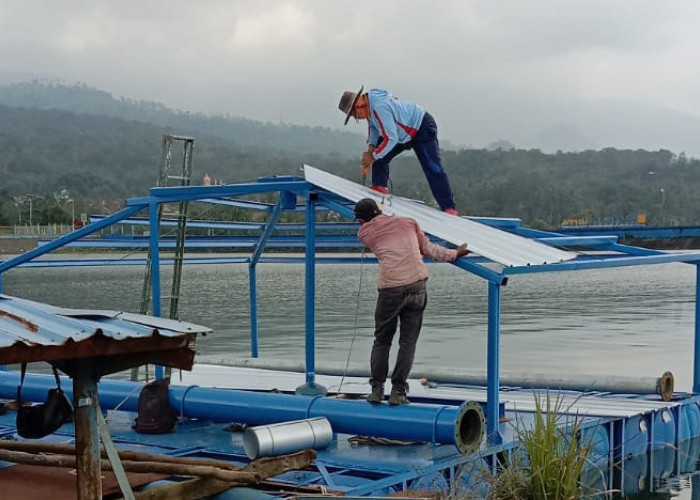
[348, 101]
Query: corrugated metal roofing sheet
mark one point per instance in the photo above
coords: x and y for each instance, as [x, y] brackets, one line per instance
[35, 323]
[499, 246]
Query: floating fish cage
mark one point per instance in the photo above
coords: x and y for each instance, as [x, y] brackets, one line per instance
[454, 433]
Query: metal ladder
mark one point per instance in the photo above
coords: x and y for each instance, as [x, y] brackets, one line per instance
[167, 178]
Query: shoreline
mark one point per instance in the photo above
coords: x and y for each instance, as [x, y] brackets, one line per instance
[19, 245]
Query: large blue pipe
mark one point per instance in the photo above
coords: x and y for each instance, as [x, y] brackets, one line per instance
[462, 426]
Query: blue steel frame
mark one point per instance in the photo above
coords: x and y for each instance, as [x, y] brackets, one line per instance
[289, 188]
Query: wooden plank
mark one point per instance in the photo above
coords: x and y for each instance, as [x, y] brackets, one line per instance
[69, 449]
[242, 477]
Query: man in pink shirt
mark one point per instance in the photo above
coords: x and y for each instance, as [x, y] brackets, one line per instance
[400, 245]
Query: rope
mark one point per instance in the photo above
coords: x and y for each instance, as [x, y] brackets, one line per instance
[359, 292]
[357, 313]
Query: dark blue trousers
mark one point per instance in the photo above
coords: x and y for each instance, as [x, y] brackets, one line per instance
[427, 149]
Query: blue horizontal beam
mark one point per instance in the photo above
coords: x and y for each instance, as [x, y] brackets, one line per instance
[471, 264]
[195, 261]
[247, 226]
[191, 193]
[640, 232]
[608, 262]
[210, 243]
[332, 202]
[500, 222]
[579, 241]
[69, 238]
[251, 205]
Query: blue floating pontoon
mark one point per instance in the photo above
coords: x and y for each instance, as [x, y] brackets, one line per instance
[377, 450]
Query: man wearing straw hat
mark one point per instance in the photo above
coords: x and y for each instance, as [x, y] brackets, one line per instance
[395, 126]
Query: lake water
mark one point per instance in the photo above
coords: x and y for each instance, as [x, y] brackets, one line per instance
[626, 321]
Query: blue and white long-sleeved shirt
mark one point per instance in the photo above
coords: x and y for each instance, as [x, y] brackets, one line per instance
[392, 119]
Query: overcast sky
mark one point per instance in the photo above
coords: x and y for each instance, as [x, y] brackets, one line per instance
[487, 70]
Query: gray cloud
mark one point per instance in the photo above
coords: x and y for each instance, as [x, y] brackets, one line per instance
[486, 69]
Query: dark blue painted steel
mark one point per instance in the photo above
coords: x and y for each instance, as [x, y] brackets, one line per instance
[265, 236]
[581, 241]
[253, 311]
[696, 354]
[470, 264]
[155, 268]
[235, 242]
[416, 422]
[189, 193]
[493, 368]
[251, 205]
[195, 261]
[63, 240]
[640, 232]
[310, 284]
[605, 263]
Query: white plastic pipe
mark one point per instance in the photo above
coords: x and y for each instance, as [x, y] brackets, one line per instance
[663, 385]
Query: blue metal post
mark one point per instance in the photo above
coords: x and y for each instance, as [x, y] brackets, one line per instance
[253, 312]
[255, 258]
[310, 387]
[493, 381]
[696, 357]
[155, 266]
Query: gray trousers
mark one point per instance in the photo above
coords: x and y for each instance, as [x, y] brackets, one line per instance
[404, 304]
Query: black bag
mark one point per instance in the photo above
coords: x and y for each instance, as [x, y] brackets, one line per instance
[155, 415]
[37, 421]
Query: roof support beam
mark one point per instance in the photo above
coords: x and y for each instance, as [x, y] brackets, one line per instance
[583, 241]
[696, 357]
[605, 263]
[190, 193]
[59, 242]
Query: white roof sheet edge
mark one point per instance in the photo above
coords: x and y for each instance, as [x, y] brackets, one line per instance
[499, 246]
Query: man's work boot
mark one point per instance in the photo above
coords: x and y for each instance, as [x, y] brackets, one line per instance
[377, 394]
[398, 398]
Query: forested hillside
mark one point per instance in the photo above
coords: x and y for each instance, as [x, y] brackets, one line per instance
[49, 155]
[235, 130]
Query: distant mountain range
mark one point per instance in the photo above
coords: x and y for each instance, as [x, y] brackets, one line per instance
[566, 124]
[82, 99]
[98, 149]
[524, 122]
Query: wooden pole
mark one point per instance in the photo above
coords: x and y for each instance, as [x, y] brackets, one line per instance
[267, 467]
[87, 441]
[69, 449]
[252, 473]
[239, 477]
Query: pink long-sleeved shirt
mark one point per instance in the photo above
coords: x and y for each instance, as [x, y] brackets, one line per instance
[400, 244]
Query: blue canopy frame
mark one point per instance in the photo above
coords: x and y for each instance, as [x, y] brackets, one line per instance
[609, 253]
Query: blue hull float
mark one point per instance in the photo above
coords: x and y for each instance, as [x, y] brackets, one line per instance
[412, 447]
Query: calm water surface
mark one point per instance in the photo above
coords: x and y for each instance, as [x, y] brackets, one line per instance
[627, 321]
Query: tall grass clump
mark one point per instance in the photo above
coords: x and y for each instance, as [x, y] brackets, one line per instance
[549, 460]
[555, 455]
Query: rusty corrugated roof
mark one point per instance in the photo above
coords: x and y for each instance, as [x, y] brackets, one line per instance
[35, 323]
